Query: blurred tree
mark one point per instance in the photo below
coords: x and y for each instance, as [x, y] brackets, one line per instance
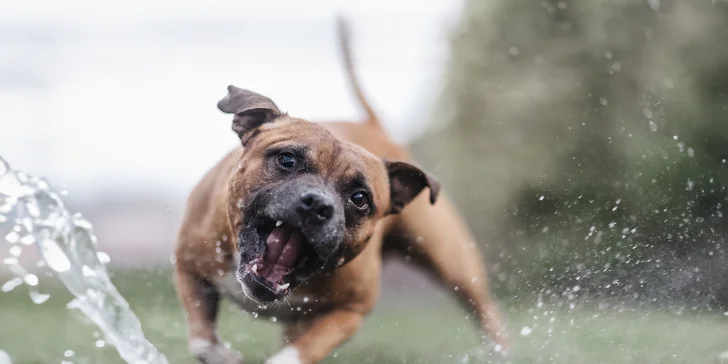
[589, 139]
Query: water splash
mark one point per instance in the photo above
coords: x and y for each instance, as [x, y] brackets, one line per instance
[67, 245]
[4, 358]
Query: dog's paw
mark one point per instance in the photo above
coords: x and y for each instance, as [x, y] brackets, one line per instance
[219, 355]
[289, 355]
[211, 353]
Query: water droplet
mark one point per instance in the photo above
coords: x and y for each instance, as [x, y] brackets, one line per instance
[4, 357]
[100, 343]
[16, 251]
[32, 209]
[103, 257]
[12, 237]
[11, 284]
[68, 353]
[653, 126]
[167, 207]
[27, 240]
[525, 331]
[647, 112]
[31, 279]
[10, 261]
[691, 152]
[87, 271]
[305, 299]
[11, 185]
[54, 256]
[541, 198]
[39, 298]
[513, 51]
[274, 319]
[603, 101]
[255, 314]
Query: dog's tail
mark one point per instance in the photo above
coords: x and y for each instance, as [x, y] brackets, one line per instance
[344, 36]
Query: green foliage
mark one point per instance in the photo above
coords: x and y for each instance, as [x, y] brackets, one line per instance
[569, 120]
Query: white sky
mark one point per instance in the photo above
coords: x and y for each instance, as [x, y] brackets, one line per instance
[127, 89]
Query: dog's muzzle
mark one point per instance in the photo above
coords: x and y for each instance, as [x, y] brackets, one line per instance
[294, 233]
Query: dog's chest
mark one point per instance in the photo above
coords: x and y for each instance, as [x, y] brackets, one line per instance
[295, 307]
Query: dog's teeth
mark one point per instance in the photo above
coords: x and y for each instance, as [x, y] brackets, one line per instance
[279, 223]
[283, 286]
[255, 268]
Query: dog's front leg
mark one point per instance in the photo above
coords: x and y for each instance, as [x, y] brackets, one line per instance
[438, 240]
[200, 300]
[320, 338]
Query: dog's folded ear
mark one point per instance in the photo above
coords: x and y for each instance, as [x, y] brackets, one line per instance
[251, 110]
[406, 182]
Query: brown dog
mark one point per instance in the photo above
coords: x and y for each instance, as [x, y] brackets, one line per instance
[303, 213]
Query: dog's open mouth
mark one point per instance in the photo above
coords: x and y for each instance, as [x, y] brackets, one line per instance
[286, 251]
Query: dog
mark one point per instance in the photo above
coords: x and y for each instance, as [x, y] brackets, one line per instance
[303, 213]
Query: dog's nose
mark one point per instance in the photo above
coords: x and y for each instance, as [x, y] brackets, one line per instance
[317, 207]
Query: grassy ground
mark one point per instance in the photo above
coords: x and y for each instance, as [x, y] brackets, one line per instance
[425, 332]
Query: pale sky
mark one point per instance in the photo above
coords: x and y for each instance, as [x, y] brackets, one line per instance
[123, 93]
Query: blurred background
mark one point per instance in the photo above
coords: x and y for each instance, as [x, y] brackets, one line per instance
[586, 143]
[116, 101]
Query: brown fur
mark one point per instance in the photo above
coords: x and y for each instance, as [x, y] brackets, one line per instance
[328, 308]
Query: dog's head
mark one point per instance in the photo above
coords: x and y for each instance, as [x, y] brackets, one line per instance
[301, 201]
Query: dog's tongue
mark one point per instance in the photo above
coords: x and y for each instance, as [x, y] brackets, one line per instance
[284, 247]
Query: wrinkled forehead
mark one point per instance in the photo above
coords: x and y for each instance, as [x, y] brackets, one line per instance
[324, 154]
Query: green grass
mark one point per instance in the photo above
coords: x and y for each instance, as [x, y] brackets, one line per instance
[423, 332]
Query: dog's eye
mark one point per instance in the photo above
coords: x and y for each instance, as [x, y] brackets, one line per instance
[287, 160]
[360, 199]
